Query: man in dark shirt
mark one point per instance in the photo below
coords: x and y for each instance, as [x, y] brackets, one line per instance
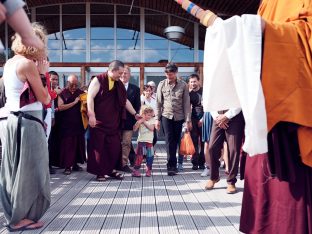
[198, 159]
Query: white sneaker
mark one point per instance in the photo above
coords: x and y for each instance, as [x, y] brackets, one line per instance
[205, 172]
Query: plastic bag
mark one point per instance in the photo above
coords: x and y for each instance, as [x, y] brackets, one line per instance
[186, 145]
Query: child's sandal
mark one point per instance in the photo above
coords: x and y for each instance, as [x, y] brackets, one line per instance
[100, 178]
[116, 175]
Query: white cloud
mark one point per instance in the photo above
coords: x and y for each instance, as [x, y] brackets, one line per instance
[54, 44]
[107, 52]
[97, 60]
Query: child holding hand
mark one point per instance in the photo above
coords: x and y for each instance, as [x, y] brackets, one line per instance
[146, 126]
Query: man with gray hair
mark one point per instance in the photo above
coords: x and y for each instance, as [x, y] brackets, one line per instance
[72, 150]
[133, 95]
[153, 85]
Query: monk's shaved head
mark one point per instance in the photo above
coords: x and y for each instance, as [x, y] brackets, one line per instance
[72, 82]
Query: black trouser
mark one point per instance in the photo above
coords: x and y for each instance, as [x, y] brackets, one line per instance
[172, 130]
[198, 159]
[234, 137]
[155, 137]
[131, 155]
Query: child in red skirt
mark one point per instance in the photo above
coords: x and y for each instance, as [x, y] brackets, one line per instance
[146, 126]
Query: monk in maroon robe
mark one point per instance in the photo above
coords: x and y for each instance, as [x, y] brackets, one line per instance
[106, 101]
[72, 149]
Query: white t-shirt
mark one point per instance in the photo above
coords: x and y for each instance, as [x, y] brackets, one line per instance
[146, 135]
[13, 87]
[150, 103]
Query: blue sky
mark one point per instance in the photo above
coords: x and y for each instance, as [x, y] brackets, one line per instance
[102, 47]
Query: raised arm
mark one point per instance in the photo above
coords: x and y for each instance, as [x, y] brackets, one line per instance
[18, 20]
[137, 124]
[206, 17]
[28, 70]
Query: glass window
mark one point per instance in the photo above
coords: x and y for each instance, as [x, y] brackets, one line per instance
[156, 48]
[135, 79]
[181, 53]
[183, 50]
[200, 56]
[74, 45]
[102, 33]
[128, 38]
[102, 44]
[51, 14]
[155, 78]
[54, 47]
[156, 45]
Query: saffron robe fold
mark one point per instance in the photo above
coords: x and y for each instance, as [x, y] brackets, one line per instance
[287, 67]
[278, 187]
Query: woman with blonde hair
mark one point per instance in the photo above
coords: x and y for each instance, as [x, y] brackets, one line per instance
[24, 176]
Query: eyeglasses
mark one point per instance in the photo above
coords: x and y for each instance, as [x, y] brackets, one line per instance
[72, 85]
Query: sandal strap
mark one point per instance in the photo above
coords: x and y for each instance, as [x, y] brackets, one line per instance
[116, 175]
[100, 178]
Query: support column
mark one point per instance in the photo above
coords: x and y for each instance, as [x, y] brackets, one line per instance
[141, 77]
[83, 75]
[88, 32]
[196, 43]
[201, 74]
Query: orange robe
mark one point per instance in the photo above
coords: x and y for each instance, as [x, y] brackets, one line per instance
[84, 110]
[287, 67]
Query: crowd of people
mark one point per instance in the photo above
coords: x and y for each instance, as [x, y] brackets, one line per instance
[115, 117]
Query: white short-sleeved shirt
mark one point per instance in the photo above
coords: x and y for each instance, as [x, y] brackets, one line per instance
[146, 135]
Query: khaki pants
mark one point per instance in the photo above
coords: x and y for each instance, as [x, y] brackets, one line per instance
[126, 146]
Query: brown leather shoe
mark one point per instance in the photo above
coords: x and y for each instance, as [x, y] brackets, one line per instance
[231, 189]
[210, 184]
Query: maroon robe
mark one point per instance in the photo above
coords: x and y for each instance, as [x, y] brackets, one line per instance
[104, 145]
[72, 149]
[278, 187]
